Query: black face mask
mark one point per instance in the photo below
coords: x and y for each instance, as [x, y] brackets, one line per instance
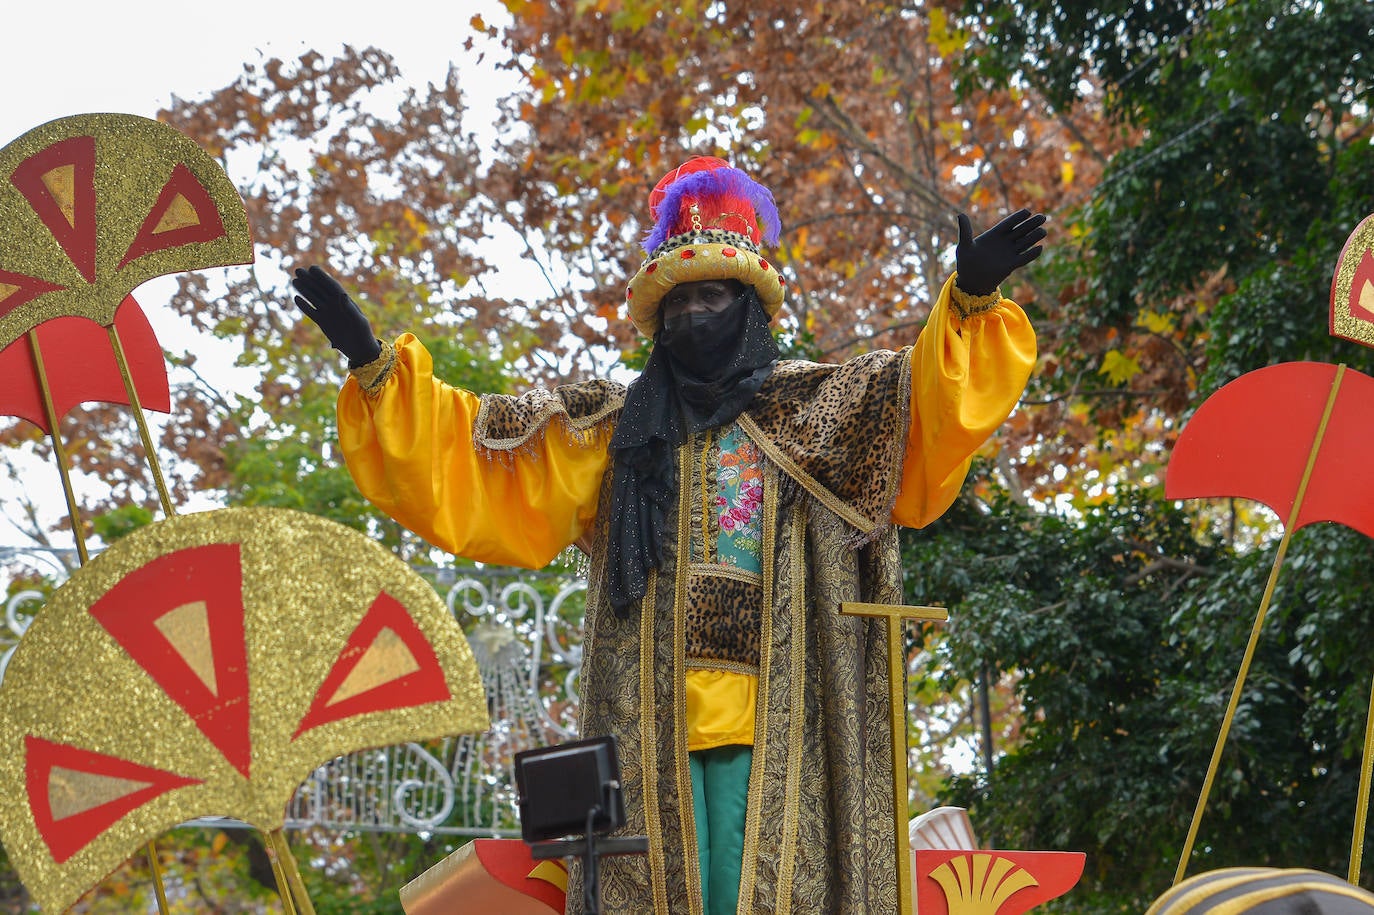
[702, 342]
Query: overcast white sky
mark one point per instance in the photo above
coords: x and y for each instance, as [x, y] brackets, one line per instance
[88, 56]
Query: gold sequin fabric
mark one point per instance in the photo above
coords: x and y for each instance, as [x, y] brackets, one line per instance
[967, 305]
[340, 640]
[92, 206]
[1352, 287]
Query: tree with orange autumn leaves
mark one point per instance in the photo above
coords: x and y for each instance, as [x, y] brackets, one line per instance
[849, 113]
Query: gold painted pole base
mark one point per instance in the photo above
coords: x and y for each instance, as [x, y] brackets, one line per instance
[294, 897]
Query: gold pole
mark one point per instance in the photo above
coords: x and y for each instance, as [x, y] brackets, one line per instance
[295, 886]
[1362, 804]
[1259, 624]
[896, 617]
[141, 420]
[279, 872]
[158, 887]
[58, 449]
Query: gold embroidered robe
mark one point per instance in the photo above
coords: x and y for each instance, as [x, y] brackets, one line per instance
[846, 451]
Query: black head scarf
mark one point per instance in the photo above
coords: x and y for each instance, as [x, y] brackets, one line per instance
[701, 374]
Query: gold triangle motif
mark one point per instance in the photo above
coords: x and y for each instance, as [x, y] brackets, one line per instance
[188, 629]
[61, 184]
[1367, 296]
[385, 660]
[71, 791]
[7, 290]
[178, 215]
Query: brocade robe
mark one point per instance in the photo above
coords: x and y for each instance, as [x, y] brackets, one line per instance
[846, 451]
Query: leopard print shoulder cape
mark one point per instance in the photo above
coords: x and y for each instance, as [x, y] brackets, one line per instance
[837, 432]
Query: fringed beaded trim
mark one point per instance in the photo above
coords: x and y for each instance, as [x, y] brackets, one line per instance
[704, 237]
[966, 305]
[584, 431]
[372, 376]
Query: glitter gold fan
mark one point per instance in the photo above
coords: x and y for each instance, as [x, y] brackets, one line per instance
[1351, 314]
[91, 206]
[95, 204]
[205, 666]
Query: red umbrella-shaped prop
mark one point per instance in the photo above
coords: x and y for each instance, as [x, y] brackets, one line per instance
[74, 357]
[1294, 437]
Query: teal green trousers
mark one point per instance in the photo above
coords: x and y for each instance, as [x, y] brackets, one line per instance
[720, 797]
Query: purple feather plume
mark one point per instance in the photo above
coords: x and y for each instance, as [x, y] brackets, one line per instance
[713, 183]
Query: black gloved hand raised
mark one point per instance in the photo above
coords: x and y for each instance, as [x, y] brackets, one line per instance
[324, 301]
[984, 262]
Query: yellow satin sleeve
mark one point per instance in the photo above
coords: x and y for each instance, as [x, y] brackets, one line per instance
[966, 377]
[720, 708]
[409, 447]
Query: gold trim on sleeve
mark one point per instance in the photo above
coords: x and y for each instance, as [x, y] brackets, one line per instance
[966, 305]
[373, 375]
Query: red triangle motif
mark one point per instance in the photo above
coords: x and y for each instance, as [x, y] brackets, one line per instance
[130, 611]
[183, 214]
[69, 216]
[48, 764]
[17, 289]
[410, 675]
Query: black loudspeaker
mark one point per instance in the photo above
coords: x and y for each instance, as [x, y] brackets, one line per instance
[569, 789]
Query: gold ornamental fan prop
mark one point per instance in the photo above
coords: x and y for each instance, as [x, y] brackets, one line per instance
[92, 206]
[205, 665]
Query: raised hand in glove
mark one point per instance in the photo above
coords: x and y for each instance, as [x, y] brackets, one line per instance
[323, 300]
[984, 262]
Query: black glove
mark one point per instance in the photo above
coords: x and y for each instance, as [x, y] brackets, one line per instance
[324, 301]
[984, 262]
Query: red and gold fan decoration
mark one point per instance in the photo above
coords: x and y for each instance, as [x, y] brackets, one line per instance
[94, 205]
[205, 666]
[1352, 287]
[91, 206]
[1294, 437]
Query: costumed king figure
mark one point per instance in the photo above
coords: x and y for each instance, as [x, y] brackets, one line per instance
[732, 501]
